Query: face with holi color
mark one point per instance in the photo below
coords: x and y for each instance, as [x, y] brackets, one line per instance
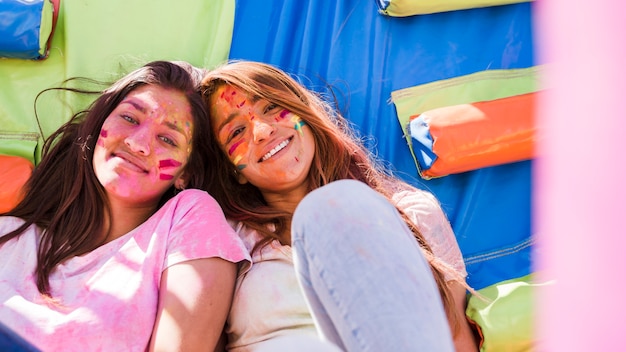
[272, 147]
[144, 145]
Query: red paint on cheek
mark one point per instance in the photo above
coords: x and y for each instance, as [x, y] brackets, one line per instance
[100, 142]
[169, 163]
[298, 160]
[104, 133]
[233, 147]
[284, 113]
[166, 177]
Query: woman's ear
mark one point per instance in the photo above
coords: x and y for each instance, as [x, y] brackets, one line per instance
[181, 182]
[241, 178]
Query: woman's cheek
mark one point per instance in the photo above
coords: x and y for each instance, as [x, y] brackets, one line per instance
[237, 153]
[169, 167]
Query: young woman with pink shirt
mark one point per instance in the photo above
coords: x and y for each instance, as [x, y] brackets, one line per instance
[114, 247]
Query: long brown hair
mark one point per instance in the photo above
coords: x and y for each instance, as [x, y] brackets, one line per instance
[63, 195]
[339, 154]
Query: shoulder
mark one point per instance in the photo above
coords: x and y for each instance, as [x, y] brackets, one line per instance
[424, 210]
[250, 237]
[190, 199]
[416, 198]
[193, 195]
[9, 223]
[190, 204]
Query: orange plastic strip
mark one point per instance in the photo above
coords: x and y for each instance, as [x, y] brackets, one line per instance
[14, 172]
[473, 136]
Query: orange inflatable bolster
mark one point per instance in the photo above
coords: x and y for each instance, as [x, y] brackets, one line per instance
[472, 136]
[14, 172]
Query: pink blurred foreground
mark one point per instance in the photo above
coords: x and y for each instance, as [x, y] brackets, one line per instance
[578, 189]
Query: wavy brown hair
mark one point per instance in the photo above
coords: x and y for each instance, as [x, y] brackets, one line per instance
[63, 195]
[339, 154]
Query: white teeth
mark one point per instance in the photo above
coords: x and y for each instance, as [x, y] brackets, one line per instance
[275, 150]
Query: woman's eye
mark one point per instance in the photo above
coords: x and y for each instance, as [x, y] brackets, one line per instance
[269, 108]
[236, 132]
[129, 119]
[168, 140]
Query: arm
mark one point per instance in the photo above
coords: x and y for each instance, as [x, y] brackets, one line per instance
[425, 211]
[464, 339]
[194, 300]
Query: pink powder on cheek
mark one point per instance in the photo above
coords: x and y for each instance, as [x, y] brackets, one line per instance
[169, 163]
[233, 147]
[284, 113]
[103, 134]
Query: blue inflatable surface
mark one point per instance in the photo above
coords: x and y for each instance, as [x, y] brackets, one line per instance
[366, 55]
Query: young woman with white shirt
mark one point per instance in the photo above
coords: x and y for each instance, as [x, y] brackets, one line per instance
[343, 253]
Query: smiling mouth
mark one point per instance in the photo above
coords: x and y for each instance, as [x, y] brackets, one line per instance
[130, 164]
[276, 149]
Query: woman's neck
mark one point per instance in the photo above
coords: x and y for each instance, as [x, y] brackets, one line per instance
[124, 219]
[286, 201]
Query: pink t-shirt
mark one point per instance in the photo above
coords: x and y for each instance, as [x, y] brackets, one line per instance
[107, 299]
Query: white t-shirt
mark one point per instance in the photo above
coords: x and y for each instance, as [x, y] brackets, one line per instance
[268, 301]
[107, 298]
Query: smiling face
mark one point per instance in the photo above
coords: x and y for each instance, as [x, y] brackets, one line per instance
[272, 147]
[144, 145]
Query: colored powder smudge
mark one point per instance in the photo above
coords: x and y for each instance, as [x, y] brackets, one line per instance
[166, 177]
[298, 123]
[241, 167]
[284, 113]
[237, 159]
[233, 147]
[169, 163]
[104, 133]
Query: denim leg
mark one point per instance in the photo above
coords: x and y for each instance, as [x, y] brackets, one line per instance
[12, 342]
[363, 274]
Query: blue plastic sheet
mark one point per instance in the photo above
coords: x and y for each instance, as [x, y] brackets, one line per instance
[366, 55]
[25, 27]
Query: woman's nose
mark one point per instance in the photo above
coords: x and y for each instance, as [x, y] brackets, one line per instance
[262, 130]
[139, 141]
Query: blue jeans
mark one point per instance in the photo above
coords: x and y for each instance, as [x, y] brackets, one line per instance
[365, 278]
[12, 342]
